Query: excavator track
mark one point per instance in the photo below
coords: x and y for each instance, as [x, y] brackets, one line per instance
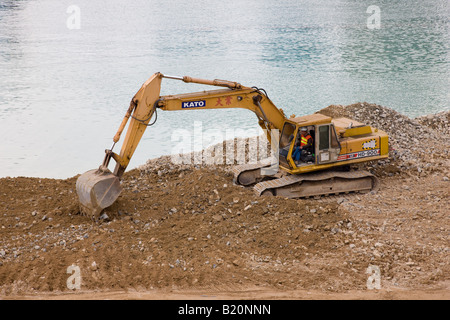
[248, 174]
[318, 184]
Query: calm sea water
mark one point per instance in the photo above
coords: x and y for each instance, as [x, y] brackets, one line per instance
[64, 91]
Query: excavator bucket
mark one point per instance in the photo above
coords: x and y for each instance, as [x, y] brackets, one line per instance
[97, 189]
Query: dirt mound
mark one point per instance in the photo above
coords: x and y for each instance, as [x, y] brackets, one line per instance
[188, 227]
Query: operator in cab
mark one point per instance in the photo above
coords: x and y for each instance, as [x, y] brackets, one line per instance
[304, 146]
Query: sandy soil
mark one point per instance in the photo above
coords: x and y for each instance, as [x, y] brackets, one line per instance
[187, 232]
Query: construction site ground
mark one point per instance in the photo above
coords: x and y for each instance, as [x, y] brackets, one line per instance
[187, 232]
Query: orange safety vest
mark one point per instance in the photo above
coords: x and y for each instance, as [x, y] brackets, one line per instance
[304, 140]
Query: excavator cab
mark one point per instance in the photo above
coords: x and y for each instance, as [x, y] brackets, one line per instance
[325, 146]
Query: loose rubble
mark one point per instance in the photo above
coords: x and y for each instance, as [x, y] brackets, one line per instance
[187, 226]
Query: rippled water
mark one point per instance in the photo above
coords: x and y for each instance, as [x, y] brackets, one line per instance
[63, 92]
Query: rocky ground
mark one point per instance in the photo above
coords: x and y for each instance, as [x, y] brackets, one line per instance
[187, 229]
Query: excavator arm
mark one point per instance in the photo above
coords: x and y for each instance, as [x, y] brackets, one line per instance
[147, 100]
[99, 188]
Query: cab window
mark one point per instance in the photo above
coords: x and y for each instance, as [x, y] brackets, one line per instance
[287, 135]
[324, 135]
[334, 140]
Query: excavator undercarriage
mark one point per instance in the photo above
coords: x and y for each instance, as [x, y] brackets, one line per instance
[308, 185]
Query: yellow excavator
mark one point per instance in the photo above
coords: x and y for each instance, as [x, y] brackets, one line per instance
[320, 169]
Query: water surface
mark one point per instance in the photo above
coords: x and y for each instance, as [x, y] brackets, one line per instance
[63, 92]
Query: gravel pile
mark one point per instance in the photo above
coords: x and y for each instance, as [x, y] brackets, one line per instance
[223, 155]
[439, 121]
